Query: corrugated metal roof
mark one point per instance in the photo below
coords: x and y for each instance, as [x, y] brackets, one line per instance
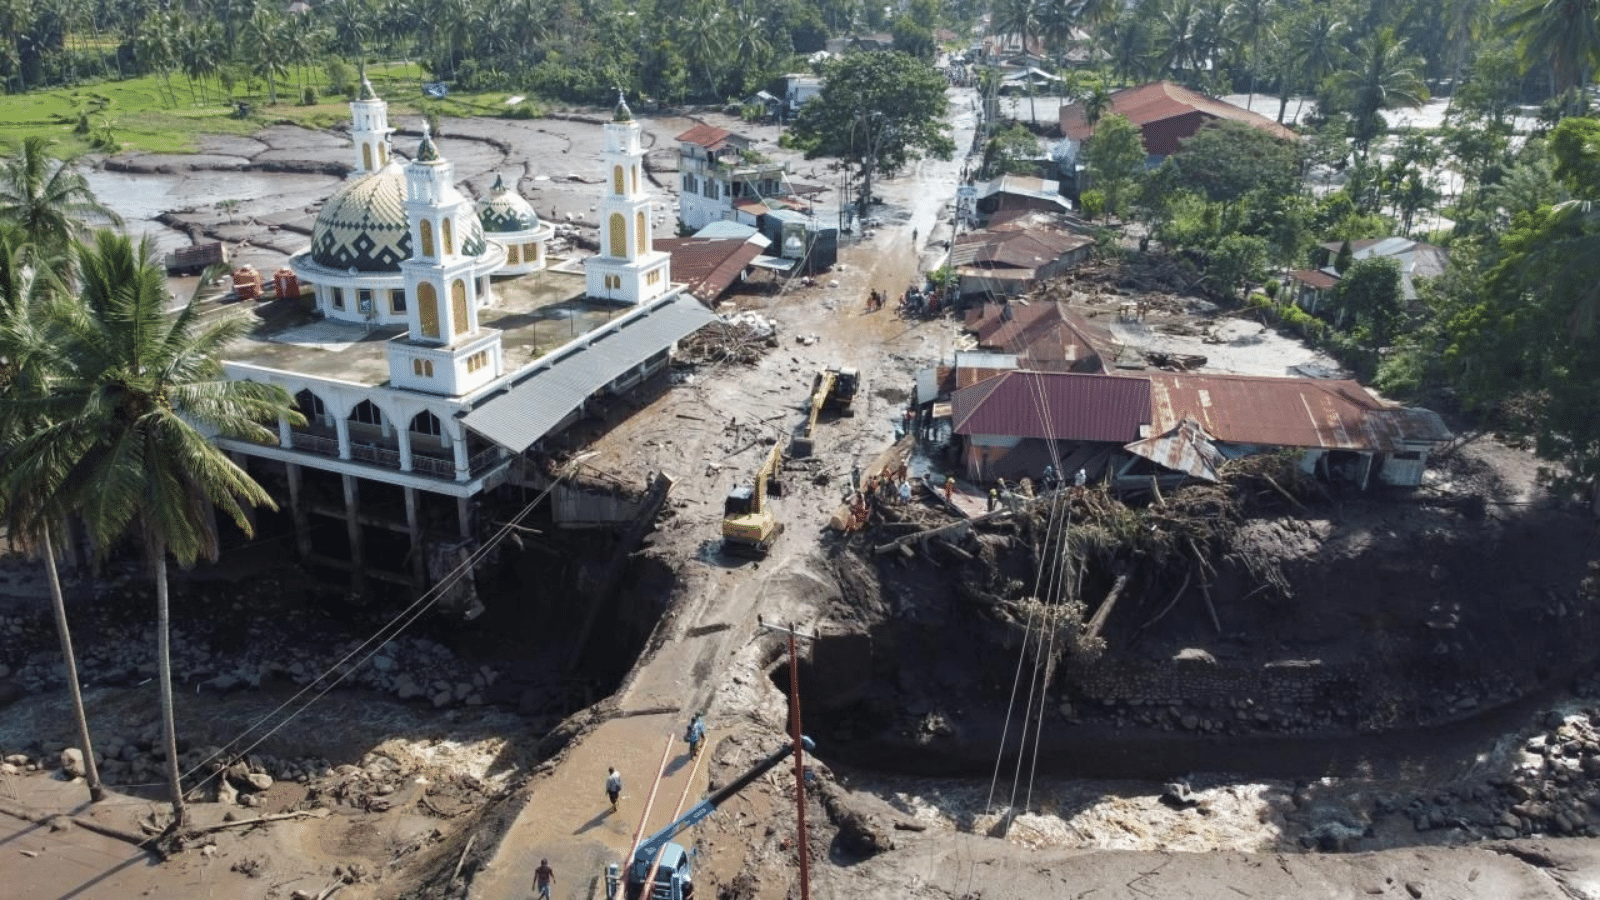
[1149, 104]
[726, 228]
[1057, 406]
[1313, 413]
[1315, 278]
[1186, 448]
[708, 136]
[710, 265]
[1043, 335]
[528, 410]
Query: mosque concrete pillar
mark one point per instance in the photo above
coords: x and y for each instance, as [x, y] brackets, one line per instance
[459, 445]
[297, 509]
[341, 425]
[419, 562]
[403, 436]
[464, 515]
[352, 523]
[285, 433]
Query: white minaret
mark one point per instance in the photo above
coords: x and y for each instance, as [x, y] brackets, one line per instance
[628, 268]
[445, 351]
[369, 128]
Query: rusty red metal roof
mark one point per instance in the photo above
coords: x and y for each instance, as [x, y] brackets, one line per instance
[1065, 406]
[1186, 448]
[1045, 336]
[1166, 113]
[709, 265]
[1315, 278]
[1308, 413]
[708, 136]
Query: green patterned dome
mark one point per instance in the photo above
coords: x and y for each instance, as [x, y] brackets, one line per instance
[506, 212]
[363, 225]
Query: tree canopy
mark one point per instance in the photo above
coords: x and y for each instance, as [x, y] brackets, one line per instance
[878, 111]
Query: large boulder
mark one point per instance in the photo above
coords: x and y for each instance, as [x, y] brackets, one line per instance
[72, 763]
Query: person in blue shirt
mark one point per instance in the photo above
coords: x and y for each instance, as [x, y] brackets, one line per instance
[695, 734]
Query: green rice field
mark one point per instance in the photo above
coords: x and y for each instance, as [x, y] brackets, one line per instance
[151, 115]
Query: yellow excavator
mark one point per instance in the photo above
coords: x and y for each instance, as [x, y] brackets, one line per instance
[748, 527]
[834, 388]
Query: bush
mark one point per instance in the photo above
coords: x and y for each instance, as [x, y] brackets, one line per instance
[1092, 204]
[308, 96]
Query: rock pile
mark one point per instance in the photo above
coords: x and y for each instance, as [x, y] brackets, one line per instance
[411, 668]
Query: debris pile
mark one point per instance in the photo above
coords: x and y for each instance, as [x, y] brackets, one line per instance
[740, 339]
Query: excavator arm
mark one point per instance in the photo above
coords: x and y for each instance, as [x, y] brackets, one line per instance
[819, 398]
[768, 469]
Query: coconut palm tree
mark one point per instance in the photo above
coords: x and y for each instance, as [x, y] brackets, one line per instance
[1561, 34]
[1129, 41]
[1382, 75]
[1022, 18]
[47, 199]
[25, 291]
[1314, 51]
[132, 395]
[1253, 20]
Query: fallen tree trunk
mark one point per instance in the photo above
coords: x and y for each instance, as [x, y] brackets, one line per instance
[1098, 622]
[262, 820]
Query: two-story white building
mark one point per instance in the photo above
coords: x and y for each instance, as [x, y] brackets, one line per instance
[720, 173]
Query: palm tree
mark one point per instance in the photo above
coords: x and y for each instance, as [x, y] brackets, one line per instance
[132, 394]
[1562, 34]
[1252, 20]
[25, 290]
[47, 199]
[1129, 40]
[1021, 18]
[1176, 21]
[1383, 75]
[1314, 51]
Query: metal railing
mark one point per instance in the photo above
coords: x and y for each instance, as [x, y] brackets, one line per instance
[314, 443]
[421, 463]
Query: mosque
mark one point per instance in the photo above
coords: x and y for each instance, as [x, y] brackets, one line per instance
[442, 344]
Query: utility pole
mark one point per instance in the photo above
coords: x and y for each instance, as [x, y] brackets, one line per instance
[799, 751]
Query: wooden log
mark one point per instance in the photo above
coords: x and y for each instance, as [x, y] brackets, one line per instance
[1098, 621]
[954, 549]
[262, 820]
[1286, 495]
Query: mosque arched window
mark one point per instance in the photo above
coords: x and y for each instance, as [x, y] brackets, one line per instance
[426, 423]
[426, 230]
[458, 306]
[367, 413]
[449, 233]
[617, 186]
[428, 309]
[619, 234]
[366, 157]
[635, 171]
[638, 233]
[312, 407]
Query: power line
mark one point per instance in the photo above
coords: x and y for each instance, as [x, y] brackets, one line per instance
[393, 628]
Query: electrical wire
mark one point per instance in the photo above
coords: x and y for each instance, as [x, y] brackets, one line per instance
[410, 614]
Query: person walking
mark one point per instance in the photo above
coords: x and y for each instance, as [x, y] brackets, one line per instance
[695, 734]
[613, 786]
[949, 487]
[994, 499]
[544, 878]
